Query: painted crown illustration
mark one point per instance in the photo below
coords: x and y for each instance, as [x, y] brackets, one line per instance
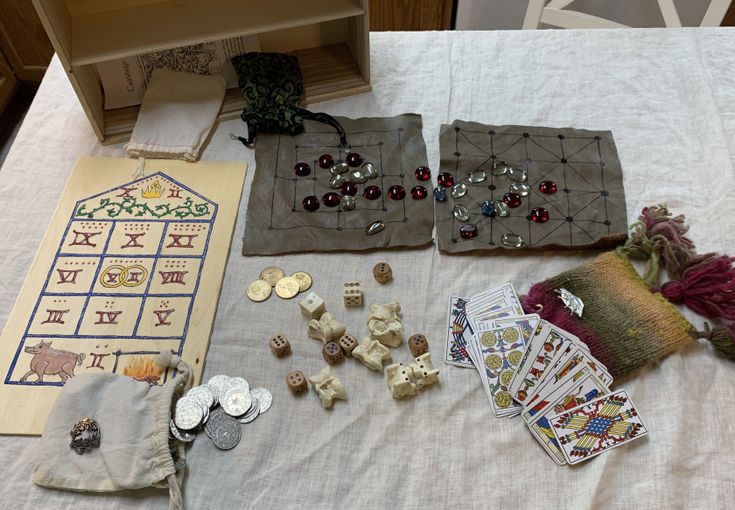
[155, 190]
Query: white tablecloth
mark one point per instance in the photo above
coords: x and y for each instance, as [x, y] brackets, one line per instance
[669, 98]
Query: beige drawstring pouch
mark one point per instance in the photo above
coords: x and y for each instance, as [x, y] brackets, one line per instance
[135, 450]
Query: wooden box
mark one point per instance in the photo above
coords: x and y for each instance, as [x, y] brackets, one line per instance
[330, 38]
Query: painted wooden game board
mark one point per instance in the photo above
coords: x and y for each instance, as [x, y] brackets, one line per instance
[575, 188]
[128, 267]
[279, 219]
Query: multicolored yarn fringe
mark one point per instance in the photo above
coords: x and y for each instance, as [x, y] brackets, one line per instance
[628, 320]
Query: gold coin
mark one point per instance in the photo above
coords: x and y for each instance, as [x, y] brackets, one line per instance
[287, 287]
[304, 280]
[272, 274]
[259, 290]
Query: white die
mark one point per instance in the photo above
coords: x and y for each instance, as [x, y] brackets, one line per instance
[312, 306]
[352, 294]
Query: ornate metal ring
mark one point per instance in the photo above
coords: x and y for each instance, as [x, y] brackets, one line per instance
[85, 435]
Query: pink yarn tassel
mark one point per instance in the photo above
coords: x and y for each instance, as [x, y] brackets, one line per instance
[707, 286]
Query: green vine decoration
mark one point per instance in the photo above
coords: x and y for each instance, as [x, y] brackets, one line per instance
[132, 207]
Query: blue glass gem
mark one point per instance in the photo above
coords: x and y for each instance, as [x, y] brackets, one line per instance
[488, 209]
[440, 194]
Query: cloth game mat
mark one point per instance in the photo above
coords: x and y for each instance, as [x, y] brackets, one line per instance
[276, 219]
[587, 209]
[130, 265]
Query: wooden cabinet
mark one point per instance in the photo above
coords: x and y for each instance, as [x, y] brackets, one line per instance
[23, 40]
[8, 83]
[411, 14]
[330, 38]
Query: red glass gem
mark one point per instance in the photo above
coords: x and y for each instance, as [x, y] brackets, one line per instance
[326, 161]
[331, 199]
[547, 187]
[469, 231]
[349, 188]
[372, 193]
[512, 200]
[539, 215]
[354, 159]
[419, 193]
[423, 173]
[302, 169]
[445, 180]
[396, 192]
[310, 203]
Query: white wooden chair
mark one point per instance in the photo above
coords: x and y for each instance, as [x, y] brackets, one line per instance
[554, 13]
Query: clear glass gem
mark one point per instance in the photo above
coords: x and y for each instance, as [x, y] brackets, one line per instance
[499, 168]
[517, 174]
[369, 170]
[357, 175]
[461, 213]
[337, 180]
[347, 203]
[520, 188]
[512, 240]
[459, 190]
[501, 209]
[375, 227]
[477, 176]
[339, 168]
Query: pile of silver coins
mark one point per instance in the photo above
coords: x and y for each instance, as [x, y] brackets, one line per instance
[219, 407]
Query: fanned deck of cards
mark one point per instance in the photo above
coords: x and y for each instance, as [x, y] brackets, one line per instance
[530, 367]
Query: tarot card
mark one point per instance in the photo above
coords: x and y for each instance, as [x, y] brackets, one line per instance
[459, 332]
[501, 350]
[528, 324]
[597, 426]
[546, 345]
[569, 361]
[583, 390]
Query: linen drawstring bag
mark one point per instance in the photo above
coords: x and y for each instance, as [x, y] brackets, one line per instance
[272, 86]
[135, 450]
[629, 321]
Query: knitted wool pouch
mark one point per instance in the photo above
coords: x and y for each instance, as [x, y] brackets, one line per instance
[628, 321]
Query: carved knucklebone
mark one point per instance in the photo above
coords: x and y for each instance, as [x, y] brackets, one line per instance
[399, 381]
[423, 371]
[385, 325]
[327, 387]
[372, 354]
[327, 328]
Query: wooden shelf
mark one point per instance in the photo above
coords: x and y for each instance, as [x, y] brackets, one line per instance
[328, 72]
[106, 33]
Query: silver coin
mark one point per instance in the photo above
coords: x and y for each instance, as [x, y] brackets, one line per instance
[358, 175]
[517, 174]
[214, 418]
[252, 413]
[370, 171]
[264, 398]
[219, 384]
[499, 168]
[339, 168]
[347, 203]
[188, 414]
[336, 181]
[477, 176]
[203, 393]
[461, 213]
[375, 227]
[236, 401]
[185, 437]
[239, 382]
[205, 409]
[521, 188]
[512, 240]
[227, 434]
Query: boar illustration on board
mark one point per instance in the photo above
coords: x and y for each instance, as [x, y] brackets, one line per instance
[49, 361]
